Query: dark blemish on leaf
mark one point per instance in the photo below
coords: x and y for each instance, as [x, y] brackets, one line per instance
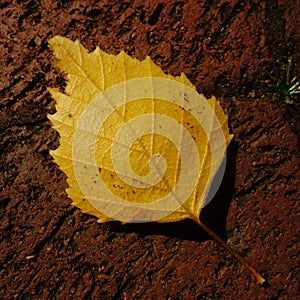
[99, 169]
[70, 115]
[133, 192]
[186, 98]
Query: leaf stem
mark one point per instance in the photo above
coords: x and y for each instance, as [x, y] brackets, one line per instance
[289, 71]
[258, 277]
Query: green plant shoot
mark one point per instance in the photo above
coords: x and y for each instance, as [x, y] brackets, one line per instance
[287, 88]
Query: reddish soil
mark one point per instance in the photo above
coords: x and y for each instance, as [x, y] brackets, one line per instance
[50, 250]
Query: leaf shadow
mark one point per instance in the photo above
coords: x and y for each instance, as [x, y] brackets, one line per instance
[213, 214]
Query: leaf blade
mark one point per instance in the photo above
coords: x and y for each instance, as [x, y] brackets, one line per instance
[90, 74]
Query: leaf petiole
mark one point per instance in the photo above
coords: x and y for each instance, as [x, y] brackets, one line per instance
[258, 277]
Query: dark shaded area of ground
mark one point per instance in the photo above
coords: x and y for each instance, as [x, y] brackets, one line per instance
[49, 249]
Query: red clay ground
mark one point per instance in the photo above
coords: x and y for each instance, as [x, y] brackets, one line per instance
[50, 250]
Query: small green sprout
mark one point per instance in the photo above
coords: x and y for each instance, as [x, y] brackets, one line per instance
[288, 88]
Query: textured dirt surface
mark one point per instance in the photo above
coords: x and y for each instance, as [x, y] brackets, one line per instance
[50, 250]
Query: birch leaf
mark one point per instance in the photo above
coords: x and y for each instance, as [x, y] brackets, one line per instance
[137, 145]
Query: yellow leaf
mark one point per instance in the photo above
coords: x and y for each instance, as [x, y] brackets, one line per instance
[137, 145]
